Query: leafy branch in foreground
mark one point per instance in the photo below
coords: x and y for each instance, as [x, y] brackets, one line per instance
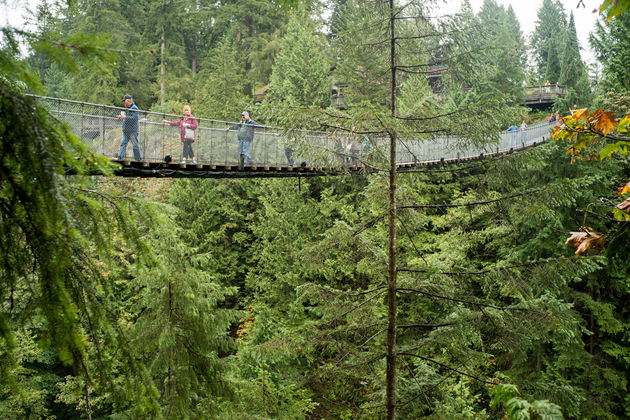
[583, 129]
[586, 131]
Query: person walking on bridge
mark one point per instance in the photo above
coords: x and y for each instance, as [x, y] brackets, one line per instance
[187, 133]
[245, 136]
[130, 129]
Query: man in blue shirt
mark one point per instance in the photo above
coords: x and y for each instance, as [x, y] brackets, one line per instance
[245, 136]
[130, 129]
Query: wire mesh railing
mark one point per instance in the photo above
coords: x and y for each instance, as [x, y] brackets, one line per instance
[99, 127]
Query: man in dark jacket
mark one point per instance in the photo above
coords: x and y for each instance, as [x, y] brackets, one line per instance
[130, 128]
[245, 136]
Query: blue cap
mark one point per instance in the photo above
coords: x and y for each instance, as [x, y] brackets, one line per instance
[245, 113]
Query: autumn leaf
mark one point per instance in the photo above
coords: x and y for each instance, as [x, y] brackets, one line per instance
[624, 189]
[624, 124]
[612, 148]
[585, 241]
[624, 205]
[578, 114]
[576, 238]
[606, 123]
[595, 115]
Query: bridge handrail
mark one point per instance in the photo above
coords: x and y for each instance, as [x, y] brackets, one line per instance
[119, 108]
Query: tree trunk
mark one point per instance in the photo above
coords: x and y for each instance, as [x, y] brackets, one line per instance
[194, 55]
[391, 283]
[162, 68]
[88, 405]
[170, 323]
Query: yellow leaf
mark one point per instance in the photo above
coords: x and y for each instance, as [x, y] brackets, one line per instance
[578, 114]
[624, 189]
[595, 115]
[605, 123]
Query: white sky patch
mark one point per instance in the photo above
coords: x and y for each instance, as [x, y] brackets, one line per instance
[526, 12]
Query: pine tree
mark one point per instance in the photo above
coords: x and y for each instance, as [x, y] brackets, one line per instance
[300, 74]
[547, 40]
[219, 83]
[610, 42]
[573, 74]
[502, 49]
[181, 329]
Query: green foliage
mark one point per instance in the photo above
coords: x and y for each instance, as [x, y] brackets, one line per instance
[220, 83]
[142, 301]
[547, 40]
[613, 8]
[180, 328]
[55, 235]
[517, 408]
[610, 43]
[300, 73]
[573, 74]
[35, 380]
[502, 50]
[361, 63]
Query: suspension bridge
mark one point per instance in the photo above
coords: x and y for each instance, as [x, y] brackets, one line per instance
[216, 150]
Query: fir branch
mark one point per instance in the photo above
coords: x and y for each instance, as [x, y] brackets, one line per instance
[427, 359]
[463, 273]
[427, 326]
[474, 203]
[433, 117]
[469, 302]
[356, 307]
[81, 49]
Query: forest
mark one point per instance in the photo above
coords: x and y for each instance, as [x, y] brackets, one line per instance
[491, 289]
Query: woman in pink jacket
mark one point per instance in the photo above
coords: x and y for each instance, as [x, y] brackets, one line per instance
[188, 133]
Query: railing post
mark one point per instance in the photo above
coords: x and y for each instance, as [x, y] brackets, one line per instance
[227, 132]
[101, 132]
[82, 122]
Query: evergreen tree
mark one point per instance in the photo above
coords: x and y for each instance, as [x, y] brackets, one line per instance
[361, 69]
[181, 329]
[573, 75]
[554, 67]
[336, 21]
[219, 83]
[56, 233]
[502, 50]
[546, 42]
[300, 74]
[249, 23]
[611, 43]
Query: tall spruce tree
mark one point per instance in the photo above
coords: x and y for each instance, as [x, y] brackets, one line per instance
[502, 49]
[300, 73]
[181, 329]
[547, 39]
[219, 82]
[611, 43]
[573, 75]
